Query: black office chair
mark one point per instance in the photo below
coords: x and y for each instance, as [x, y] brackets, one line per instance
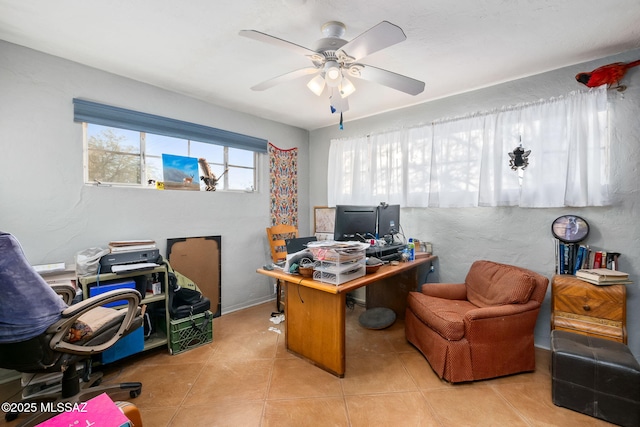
[40, 333]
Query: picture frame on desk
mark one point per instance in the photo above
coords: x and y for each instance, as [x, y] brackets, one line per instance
[324, 219]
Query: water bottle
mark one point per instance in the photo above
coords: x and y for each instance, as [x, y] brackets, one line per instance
[412, 250]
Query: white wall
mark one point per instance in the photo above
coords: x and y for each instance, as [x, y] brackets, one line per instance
[514, 235]
[45, 204]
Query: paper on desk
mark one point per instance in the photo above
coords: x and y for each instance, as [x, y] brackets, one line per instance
[124, 268]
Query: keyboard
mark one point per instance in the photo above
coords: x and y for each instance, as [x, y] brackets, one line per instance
[391, 257]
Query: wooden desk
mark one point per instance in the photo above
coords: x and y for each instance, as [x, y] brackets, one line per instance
[315, 311]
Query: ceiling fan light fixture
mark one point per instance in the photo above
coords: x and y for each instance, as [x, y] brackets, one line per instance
[355, 70]
[332, 73]
[316, 85]
[346, 87]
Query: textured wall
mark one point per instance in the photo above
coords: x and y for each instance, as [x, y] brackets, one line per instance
[54, 215]
[515, 235]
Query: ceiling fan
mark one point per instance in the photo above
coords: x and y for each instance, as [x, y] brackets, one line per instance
[333, 59]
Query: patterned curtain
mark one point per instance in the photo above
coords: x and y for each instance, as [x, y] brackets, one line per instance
[283, 177]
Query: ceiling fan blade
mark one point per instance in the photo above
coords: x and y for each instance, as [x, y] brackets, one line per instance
[388, 78]
[376, 38]
[285, 78]
[257, 35]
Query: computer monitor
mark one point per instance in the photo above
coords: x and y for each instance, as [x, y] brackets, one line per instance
[297, 244]
[388, 220]
[355, 223]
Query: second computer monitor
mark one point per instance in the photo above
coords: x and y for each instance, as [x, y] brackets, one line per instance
[388, 220]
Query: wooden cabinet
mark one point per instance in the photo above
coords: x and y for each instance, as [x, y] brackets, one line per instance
[580, 307]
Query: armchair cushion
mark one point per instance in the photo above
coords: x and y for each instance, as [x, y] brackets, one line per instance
[489, 284]
[446, 290]
[446, 317]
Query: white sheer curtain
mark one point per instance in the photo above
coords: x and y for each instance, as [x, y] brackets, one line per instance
[457, 161]
[393, 167]
[349, 172]
[464, 162]
[570, 138]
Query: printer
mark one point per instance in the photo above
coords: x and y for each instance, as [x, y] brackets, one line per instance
[144, 258]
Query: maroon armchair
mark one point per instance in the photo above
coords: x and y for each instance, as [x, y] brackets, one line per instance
[479, 329]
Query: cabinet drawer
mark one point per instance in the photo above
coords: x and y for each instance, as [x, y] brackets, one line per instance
[585, 325]
[577, 288]
[604, 309]
[613, 334]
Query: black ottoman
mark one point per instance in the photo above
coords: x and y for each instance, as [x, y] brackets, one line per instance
[595, 376]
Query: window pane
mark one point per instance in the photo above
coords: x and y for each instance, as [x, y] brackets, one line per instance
[240, 157]
[107, 166]
[217, 171]
[154, 169]
[113, 139]
[213, 153]
[114, 155]
[240, 179]
[160, 144]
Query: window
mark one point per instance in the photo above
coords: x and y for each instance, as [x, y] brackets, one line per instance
[120, 156]
[125, 147]
[464, 162]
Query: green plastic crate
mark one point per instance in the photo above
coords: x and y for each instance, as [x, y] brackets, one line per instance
[190, 333]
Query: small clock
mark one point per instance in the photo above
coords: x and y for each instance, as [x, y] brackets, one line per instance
[570, 228]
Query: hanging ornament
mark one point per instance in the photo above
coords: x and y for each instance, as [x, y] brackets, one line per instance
[519, 158]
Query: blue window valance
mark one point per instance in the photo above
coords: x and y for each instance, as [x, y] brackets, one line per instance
[107, 115]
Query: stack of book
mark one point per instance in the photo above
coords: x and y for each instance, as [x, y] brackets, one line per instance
[603, 276]
[131, 245]
[571, 257]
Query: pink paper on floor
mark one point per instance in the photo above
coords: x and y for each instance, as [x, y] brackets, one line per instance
[100, 411]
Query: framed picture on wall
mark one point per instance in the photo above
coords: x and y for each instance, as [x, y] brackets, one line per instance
[323, 222]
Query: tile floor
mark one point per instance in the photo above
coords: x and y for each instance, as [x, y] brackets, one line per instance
[245, 377]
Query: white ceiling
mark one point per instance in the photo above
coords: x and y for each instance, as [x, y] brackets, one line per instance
[193, 47]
